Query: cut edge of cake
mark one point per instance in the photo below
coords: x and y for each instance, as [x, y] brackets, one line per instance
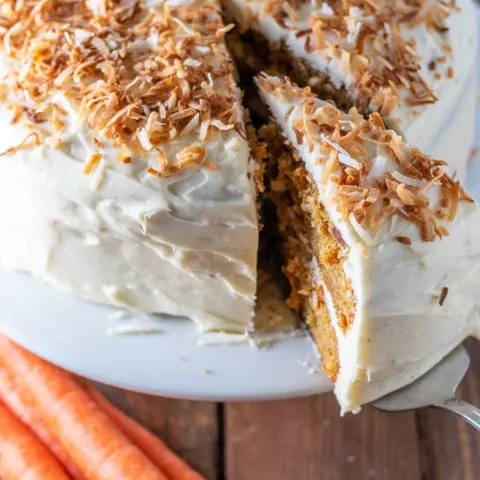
[381, 246]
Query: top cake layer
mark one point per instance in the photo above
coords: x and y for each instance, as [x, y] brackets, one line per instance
[410, 236]
[408, 60]
[125, 156]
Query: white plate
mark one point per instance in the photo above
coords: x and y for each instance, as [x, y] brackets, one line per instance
[73, 334]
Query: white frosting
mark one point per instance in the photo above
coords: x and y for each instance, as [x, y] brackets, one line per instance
[399, 330]
[423, 126]
[455, 137]
[184, 245]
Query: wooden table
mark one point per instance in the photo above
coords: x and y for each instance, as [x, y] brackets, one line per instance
[306, 439]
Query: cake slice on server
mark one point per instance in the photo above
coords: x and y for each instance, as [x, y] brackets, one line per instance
[381, 246]
[412, 61]
[125, 173]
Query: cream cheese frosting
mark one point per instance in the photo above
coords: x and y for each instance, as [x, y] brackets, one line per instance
[416, 287]
[417, 59]
[153, 209]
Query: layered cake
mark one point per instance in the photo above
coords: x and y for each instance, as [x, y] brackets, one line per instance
[412, 61]
[130, 176]
[381, 246]
[125, 173]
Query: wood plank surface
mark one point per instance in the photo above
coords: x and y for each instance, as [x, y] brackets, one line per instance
[450, 449]
[305, 438]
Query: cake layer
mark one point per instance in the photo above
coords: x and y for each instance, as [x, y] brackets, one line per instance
[126, 176]
[413, 62]
[408, 236]
[303, 230]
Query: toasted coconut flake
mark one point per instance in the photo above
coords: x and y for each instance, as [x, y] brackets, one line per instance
[329, 166]
[155, 173]
[412, 182]
[100, 45]
[192, 124]
[220, 125]
[144, 139]
[92, 163]
[190, 62]
[98, 176]
[204, 126]
[191, 155]
[410, 198]
[373, 194]
[23, 144]
[349, 161]
[361, 232]
[379, 165]
[125, 156]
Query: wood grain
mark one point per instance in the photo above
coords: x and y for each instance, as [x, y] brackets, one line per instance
[306, 439]
[189, 428]
[449, 447]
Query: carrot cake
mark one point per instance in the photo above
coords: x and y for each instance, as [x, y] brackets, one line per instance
[125, 173]
[381, 246]
[412, 61]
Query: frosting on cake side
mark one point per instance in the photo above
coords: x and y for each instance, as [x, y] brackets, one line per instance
[410, 236]
[125, 173]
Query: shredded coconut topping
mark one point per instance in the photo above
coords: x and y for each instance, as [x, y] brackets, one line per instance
[367, 39]
[366, 195]
[139, 76]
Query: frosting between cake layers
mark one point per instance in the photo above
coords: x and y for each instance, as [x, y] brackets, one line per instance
[182, 244]
[449, 79]
[400, 330]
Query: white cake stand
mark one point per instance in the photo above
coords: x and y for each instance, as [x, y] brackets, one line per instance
[73, 333]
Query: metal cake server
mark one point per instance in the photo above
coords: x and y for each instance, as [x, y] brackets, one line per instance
[436, 389]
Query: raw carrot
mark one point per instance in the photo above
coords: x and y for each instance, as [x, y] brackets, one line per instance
[22, 408]
[93, 442]
[172, 465]
[22, 456]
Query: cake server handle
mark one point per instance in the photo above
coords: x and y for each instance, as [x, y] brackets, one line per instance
[466, 410]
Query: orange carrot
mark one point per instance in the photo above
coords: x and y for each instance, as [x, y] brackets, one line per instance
[93, 442]
[22, 456]
[173, 466]
[29, 416]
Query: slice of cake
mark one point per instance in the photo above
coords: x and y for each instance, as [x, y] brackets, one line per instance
[381, 246]
[125, 172]
[412, 61]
